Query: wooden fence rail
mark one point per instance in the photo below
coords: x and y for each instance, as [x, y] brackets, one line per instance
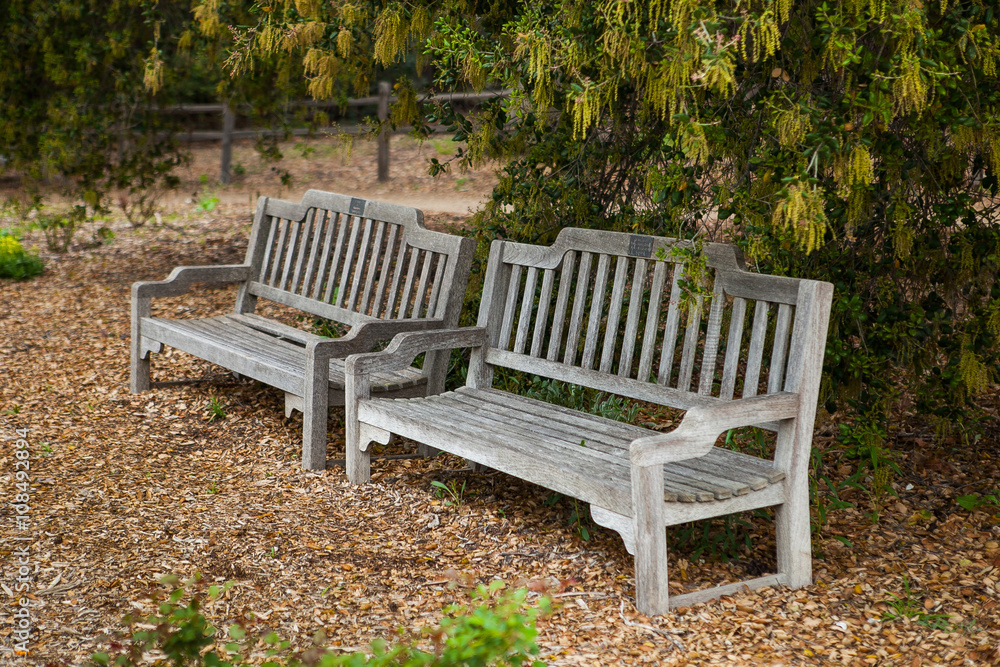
[380, 101]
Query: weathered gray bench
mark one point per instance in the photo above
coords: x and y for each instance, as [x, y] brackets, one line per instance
[369, 265]
[605, 310]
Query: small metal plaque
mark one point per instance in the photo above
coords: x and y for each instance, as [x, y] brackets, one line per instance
[640, 246]
[357, 206]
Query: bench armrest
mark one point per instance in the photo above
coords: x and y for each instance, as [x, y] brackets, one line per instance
[406, 346]
[362, 337]
[701, 426]
[181, 278]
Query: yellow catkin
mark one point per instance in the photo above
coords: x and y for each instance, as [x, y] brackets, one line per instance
[321, 68]
[902, 232]
[791, 126]
[308, 8]
[802, 213]
[206, 15]
[152, 76]
[391, 31]
[860, 169]
[910, 90]
[975, 374]
[345, 42]
[405, 110]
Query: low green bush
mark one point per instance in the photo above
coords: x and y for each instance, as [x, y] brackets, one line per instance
[15, 261]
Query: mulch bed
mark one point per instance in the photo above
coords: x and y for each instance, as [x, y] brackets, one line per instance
[127, 489]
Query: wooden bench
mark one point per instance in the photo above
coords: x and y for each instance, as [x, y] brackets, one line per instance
[605, 310]
[368, 265]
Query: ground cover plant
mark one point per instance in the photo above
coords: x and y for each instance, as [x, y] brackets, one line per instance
[126, 489]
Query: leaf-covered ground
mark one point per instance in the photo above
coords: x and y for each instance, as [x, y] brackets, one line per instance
[126, 489]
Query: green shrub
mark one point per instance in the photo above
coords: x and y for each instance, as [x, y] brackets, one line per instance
[60, 228]
[494, 629]
[15, 262]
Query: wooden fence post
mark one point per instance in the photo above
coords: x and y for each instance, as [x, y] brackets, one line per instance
[228, 123]
[383, 138]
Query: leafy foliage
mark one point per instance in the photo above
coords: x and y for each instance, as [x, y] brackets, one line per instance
[856, 142]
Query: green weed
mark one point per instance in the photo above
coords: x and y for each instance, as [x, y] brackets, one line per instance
[451, 490]
[908, 606]
[215, 410]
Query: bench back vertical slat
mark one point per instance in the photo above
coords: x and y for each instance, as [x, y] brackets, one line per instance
[632, 318]
[372, 269]
[542, 318]
[319, 233]
[524, 320]
[576, 317]
[348, 261]
[712, 336]
[305, 239]
[734, 344]
[652, 321]
[691, 334]
[614, 315]
[510, 304]
[756, 353]
[596, 310]
[411, 273]
[354, 270]
[421, 296]
[671, 327]
[276, 256]
[779, 348]
[341, 222]
[562, 302]
[397, 278]
[382, 305]
[435, 295]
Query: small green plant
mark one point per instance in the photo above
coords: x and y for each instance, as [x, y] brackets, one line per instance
[305, 150]
[215, 409]
[103, 236]
[239, 169]
[208, 202]
[46, 449]
[450, 490]
[989, 502]
[495, 629]
[580, 519]
[60, 228]
[15, 262]
[908, 606]
[13, 410]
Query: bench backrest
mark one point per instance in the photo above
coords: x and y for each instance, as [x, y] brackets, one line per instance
[605, 310]
[353, 260]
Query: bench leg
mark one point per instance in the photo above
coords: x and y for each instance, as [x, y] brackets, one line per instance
[357, 462]
[139, 363]
[793, 536]
[650, 535]
[139, 370]
[315, 412]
